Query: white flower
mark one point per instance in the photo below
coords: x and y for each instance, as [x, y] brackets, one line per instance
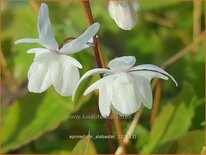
[51, 65]
[124, 87]
[124, 13]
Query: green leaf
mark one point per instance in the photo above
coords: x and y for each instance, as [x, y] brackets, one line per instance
[33, 115]
[173, 121]
[190, 143]
[84, 146]
[143, 136]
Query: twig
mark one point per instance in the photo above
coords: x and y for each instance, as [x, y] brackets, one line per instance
[156, 103]
[183, 52]
[167, 23]
[196, 21]
[130, 130]
[97, 49]
[180, 54]
[2, 59]
[119, 131]
[159, 20]
[168, 62]
[108, 124]
[100, 63]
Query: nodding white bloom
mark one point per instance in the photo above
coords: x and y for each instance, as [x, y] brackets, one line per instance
[124, 87]
[51, 65]
[124, 13]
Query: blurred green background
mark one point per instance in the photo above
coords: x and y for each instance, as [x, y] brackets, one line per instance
[39, 123]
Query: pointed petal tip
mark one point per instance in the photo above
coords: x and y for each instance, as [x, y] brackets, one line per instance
[175, 83]
[97, 25]
[80, 66]
[148, 106]
[85, 93]
[16, 42]
[126, 28]
[19, 41]
[44, 5]
[90, 88]
[105, 115]
[173, 79]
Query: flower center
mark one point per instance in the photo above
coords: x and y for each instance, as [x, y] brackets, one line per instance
[55, 52]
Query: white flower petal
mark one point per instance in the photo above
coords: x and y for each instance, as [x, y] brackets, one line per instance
[71, 60]
[80, 43]
[104, 101]
[93, 87]
[124, 13]
[125, 99]
[88, 44]
[105, 94]
[87, 74]
[46, 35]
[38, 51]
[64, 75]
[122, 63]
[116, 111]
[142, 86]
[27, 40]
[150, 75]
[52, 69]
[105, 81]
[150, 70]
[39, 74]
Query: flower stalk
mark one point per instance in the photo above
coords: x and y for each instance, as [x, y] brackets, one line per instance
[100, 62]
[119, 131]
[156, 102]
[130, 130]
[97, 50]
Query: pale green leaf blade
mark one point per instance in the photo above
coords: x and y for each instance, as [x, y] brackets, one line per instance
[173, 121]
[84, 146]
[190, 143]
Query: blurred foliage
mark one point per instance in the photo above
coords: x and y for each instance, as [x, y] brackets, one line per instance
[84, 146]
[41, 123]
[171, 123]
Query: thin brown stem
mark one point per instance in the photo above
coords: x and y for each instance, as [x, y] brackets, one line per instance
[2, 59]
[196, 21]
[156, 104]
[130, 130]
[183, 52]
[108, 124]
[97, 49]
[119, 131]
[180, 54]
[100, 63]
[159, 20]
[167, 63]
